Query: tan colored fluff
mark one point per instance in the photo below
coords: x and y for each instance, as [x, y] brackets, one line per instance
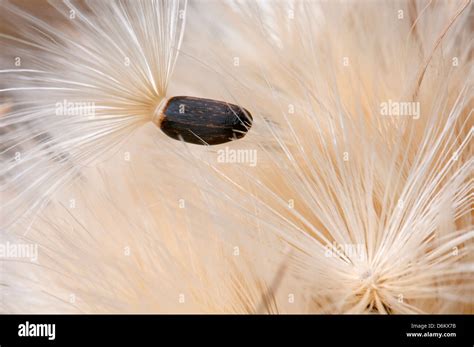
[346, 210]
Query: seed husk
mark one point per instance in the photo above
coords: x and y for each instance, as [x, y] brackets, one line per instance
[203, 121]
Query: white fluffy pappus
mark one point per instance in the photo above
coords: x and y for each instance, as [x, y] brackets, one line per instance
[352, 206]
[75, 90]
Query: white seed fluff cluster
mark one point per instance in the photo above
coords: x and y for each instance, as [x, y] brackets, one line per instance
[352, 192]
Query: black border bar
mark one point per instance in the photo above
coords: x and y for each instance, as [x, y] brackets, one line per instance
[313, 330]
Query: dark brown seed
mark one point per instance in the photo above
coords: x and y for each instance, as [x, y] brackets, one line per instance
[203, 121]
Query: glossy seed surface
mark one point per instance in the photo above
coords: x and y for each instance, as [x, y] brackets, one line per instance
[204, 121]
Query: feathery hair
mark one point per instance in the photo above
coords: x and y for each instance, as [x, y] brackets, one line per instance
[352, 206]
[75, 91]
